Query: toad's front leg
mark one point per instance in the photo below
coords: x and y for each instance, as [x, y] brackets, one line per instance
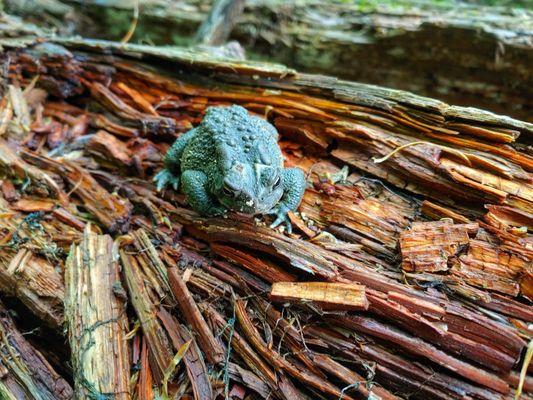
[194, 186]
[293, 190]
[170, 174]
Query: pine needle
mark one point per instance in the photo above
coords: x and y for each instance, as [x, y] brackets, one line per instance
[523, 371]
[131, 334]
[172, 366]
[445, 148]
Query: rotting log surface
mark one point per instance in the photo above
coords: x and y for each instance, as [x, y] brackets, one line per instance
[427, 332]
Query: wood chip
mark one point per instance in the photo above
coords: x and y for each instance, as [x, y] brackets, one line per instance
[428, 245]
[330, 296]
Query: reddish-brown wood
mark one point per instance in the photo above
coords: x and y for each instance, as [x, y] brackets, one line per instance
[193, 316]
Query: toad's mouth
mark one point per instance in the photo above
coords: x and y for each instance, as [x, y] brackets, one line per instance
[245, 212]
[250, 211]
[251, 207]
[243, 215]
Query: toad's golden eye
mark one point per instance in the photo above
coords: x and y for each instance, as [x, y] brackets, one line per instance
[230, 192]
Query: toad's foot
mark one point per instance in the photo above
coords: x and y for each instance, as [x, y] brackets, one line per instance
[165, 178]
[281, 217]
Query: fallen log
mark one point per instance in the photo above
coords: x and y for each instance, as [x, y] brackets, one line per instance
[196, 283]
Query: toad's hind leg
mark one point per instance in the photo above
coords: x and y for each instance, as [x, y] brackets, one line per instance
[194, 186]
[170, 175]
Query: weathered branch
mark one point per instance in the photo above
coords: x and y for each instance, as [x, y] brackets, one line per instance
[485, 61]
[219, 23]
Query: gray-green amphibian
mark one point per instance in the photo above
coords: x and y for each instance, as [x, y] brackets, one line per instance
[232, 161]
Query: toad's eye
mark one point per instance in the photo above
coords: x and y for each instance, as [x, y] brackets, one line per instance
[276, 183]
[227, 191]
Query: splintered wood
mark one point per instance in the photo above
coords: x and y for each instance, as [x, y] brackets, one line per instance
[408, 273]
[330, 296]
[96, 319]
[26, 374]
[36, 283]
[467, 253]
[192, 314]
[488, 266]
[428, 246]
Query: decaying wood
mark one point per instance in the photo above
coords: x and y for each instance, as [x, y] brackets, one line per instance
[36, 283]
[96, 319]
[32, 250]
[427, 246]
[146, 304]
[15, 167]
[191, 313]
[442, 246]
[437, 328]
[436, 212]
[145, 390]
[111, 212]
[270, 272]
[194, 360]
[278, 362]
[25, 372]
[487, 266]
[330, 296]
[420, 348]
[404, 299]
[395, 369]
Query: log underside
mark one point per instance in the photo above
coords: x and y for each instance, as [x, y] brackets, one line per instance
[433, 244]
